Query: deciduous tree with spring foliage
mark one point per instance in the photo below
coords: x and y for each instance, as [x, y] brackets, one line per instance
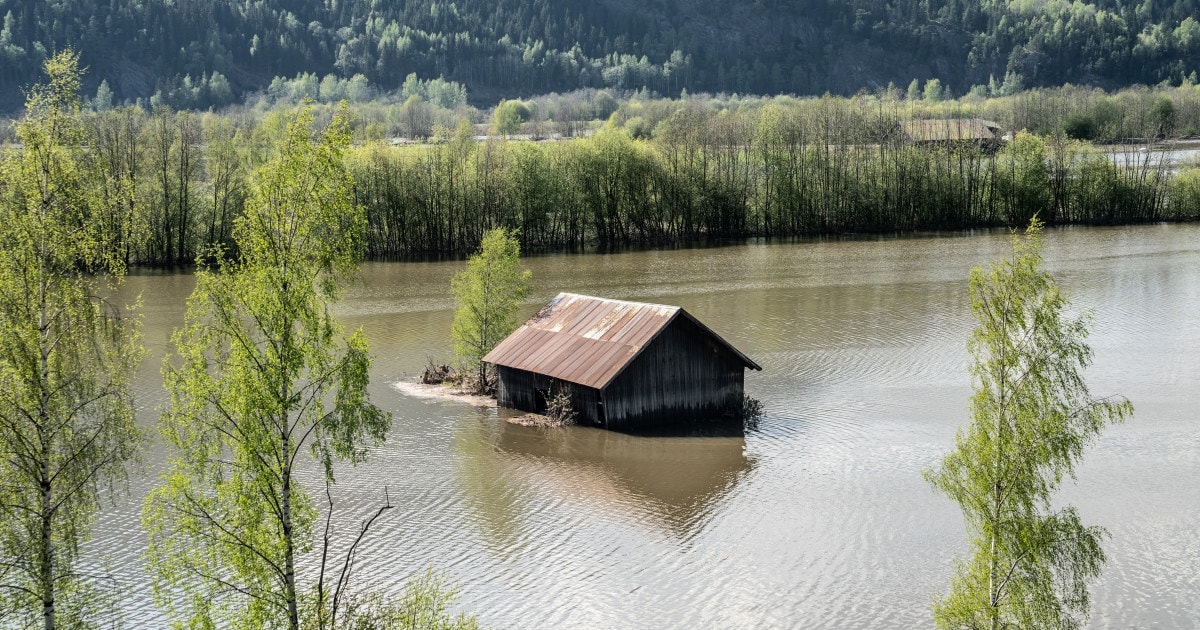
[67, 354]
[488, 294]
[1032, 415]
[262, 375]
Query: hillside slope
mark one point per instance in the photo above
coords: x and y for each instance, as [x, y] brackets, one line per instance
[217, 50]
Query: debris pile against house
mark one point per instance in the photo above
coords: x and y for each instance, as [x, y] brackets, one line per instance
[437, 374]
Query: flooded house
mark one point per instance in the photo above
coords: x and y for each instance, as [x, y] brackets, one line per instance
[624, 365]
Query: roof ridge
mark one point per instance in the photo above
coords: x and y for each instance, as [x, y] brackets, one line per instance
[615, 300]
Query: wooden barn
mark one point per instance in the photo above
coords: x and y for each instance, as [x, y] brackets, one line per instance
[627, 365]
[952, 132]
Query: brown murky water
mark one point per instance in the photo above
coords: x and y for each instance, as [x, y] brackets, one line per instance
[819, 517]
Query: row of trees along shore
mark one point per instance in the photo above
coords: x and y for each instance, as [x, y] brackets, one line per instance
[659, 172]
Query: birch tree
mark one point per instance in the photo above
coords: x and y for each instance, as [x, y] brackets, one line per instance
[67, 354]
[262, 375]
[1029, 561]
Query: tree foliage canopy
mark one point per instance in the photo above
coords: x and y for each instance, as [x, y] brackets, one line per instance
[1031, 417]
[206, 53]
[67, 355]
[488, 294]
[262, 375]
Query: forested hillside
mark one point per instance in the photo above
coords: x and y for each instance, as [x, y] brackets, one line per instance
[202, 53]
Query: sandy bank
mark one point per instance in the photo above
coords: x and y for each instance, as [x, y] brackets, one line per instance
[442, 392]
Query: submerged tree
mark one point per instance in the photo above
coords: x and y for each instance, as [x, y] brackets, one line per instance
[262, 376]
[1031, 417]
[488, 294]
[67, 427]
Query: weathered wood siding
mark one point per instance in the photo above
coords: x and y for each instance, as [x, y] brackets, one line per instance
[683, 374]
[585, 401]
[519, 389]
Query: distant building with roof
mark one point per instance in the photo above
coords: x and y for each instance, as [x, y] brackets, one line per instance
[629, 365]
[951, 131]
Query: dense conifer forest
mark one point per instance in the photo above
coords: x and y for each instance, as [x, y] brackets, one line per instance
[210, 53]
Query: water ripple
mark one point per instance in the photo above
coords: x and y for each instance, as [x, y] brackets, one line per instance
[816, 518]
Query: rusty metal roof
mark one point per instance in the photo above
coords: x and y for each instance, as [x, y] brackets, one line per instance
[589, 340]
[947, 129]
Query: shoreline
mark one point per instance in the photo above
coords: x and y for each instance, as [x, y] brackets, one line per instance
[447, 393]
[417, 389]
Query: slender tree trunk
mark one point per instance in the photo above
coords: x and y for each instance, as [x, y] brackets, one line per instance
[289, 571]
[993, 596]
[187, 133]
[132, 171]
[212, 217]
[165, 139]
[485, 330]
[46, 565]
[46, 569]
[997, 487]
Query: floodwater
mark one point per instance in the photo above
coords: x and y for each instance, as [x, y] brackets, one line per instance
[1170, 156]
[818, 517]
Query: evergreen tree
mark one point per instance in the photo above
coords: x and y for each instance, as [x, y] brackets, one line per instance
[104, 97]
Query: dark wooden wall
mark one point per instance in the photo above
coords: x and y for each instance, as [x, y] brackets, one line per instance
[684, 374]
[518, 389]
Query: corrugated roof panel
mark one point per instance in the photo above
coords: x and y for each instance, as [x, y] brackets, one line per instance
[605, 323]
[541, 346]
[619, 326]
[574, 354]
[947, 129]
[587, 340]
[608, 360]
[574, 316]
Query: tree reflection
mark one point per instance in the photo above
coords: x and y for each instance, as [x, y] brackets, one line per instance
[496, 495]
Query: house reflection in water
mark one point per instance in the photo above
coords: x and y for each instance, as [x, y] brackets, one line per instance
[513, 474]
